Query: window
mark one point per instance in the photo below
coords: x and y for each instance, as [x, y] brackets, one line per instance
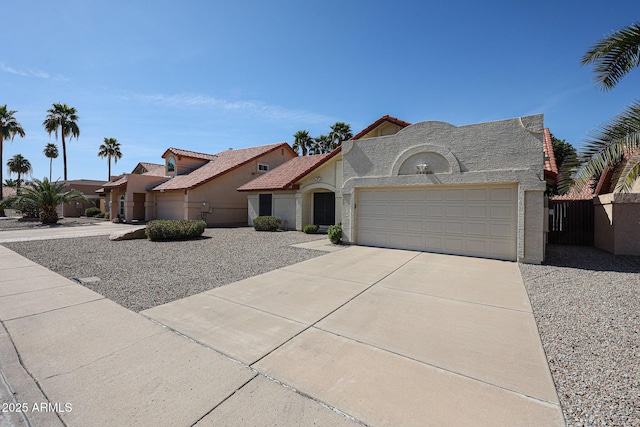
[171, 164]
[121, 207]
[264, 200]
[263, 168]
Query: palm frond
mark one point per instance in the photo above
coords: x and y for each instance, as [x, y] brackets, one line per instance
[614, 56]
[629, 175]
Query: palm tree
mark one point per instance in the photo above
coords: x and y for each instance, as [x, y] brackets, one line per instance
[9, 128]
[51, 152]
[613, 57]
[302, 141]
[20, 165]
[339, 132]
[10, 183]
[110, 149]
[323, 142]
[62, 118]
[45, 197]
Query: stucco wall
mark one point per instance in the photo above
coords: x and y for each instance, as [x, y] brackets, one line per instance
[506, 151]
[617, 223]
[229, 206]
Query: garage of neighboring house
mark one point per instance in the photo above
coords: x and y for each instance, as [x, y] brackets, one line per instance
[473, 190]
[170, 205]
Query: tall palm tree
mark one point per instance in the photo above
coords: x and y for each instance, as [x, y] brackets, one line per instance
[110, 149]
[18, 164]
[51, 152]
[339, 132]
[63, 119]
[613, 57]
[9, 128]
[302, 141]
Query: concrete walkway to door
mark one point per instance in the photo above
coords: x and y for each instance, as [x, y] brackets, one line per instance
[373, 336]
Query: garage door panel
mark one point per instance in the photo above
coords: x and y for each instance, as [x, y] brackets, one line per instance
[465, 220]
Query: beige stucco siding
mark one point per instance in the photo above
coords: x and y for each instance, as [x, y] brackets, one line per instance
[617, 223]
[227, 205]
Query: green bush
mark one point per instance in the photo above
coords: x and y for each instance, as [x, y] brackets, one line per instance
[27, 208]
[267, 223]
[175, 229]
[102, 215]
[335, 233]
[92, 211]
[310, 228]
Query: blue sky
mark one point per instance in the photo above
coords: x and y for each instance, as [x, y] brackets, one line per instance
[212, 75]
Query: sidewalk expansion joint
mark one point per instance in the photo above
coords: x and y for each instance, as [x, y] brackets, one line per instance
[55, 309]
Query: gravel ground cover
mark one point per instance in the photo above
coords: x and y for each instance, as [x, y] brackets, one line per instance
[140, 274]
[11, 223]
[587, 306]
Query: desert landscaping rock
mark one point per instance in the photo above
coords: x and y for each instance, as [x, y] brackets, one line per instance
[587, 306]
[136, 233]
[140, 274]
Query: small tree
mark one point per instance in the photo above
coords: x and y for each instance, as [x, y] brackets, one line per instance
[45, 196]
[19, 165]
[51, 152]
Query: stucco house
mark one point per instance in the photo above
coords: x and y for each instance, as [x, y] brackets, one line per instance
[87, 187]
[471, 190]
[304, 190]
[192, 185]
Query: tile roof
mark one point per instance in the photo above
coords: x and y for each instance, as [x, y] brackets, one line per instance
[117, 183]
[550, 167]
[187, 153]
[585, 193]
[385, 118]
[218, 164]
[153, 168]
[288, 173]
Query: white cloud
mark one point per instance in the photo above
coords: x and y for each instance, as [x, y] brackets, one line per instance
[251, 107]
[29, 72]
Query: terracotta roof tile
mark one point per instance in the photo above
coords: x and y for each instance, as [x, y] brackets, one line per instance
[218, 164]
[385, 118]
[288, 173]
[550, 167]
[187, 153]
[117, 183]
[153, 168]
[8, 191]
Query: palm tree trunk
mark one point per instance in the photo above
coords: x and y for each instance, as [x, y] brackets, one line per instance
[109, 163]
[50, 167]
[64, 152]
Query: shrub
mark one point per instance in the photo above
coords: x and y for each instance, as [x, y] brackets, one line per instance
[175, 229]
[92, 211]
[310, 228]
[267, 223]
[27, 208]
[102, 215]
[335, 233]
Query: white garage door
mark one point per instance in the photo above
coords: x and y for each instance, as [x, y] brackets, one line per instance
[465, 220]
[170, 206]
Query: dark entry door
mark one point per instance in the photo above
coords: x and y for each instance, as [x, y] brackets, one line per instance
[324, 208]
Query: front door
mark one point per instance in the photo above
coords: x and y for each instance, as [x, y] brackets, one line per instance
[324, 208]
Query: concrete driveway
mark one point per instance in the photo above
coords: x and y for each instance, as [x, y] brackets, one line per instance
[358, 336]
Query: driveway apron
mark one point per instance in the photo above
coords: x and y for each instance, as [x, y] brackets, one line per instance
[360, 336]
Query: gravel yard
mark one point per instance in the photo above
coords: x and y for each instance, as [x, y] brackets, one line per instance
[587, 306]
[140, 274]
[11, 223]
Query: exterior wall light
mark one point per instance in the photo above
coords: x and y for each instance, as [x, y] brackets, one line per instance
[422, 168]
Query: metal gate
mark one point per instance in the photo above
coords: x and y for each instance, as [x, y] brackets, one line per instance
[571, 222]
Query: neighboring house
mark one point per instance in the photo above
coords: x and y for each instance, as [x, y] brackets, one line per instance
[305, 190]
[616, 216]
[193, 185]
[87, 187]
[471, 190]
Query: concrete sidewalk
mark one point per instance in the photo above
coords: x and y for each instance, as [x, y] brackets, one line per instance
[358, 336]
[100, 228]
